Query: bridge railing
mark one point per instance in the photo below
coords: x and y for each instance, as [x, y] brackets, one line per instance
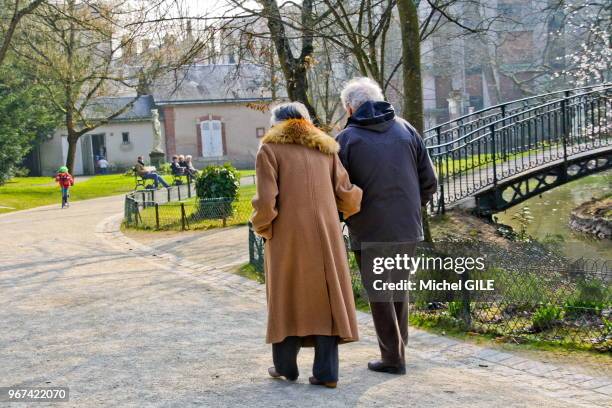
[477, 155]
[457, 128]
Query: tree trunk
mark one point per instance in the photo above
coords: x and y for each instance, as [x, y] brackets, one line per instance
[72, 148]
[411, 70]
[491, 80]
[411, 67]
[489, 65]
[299, 90]
[294, 69]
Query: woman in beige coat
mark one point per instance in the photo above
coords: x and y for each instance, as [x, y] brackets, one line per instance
[301, 188]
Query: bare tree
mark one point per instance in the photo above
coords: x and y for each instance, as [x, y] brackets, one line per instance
[14, 11]
[360, 28]
[331, 69]
[81, 52]
[292, 40]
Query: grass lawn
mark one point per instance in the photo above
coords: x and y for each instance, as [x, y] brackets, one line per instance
[244, 173]
[21, 193]
[454, 166]
[248, 271]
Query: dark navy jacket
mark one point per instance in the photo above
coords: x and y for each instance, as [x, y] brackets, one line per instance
[386, 157]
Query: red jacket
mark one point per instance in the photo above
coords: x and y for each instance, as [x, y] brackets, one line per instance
[64, 179]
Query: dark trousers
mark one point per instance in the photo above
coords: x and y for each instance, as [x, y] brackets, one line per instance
[156, 179]
[65, 196]
[325, 367]
[391, 325]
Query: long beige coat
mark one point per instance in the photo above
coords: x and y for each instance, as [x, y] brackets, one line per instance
[301, 186]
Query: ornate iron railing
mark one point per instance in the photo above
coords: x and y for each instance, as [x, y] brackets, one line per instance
[477, 151]
[457, 128]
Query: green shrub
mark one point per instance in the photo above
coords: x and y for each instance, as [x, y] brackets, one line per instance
[523, 218]
[218, 182]
[359, 292]
[217, 189]
[607, 325]
[165, 168]
[525, 289]
[21, 172]
[455, 309]
[26, 115]
[357, 285]
[352, 262]
[591, 297]
[545, 317]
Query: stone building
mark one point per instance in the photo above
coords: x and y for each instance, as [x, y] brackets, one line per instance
[216, 113]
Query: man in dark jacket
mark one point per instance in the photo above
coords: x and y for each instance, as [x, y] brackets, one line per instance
[386, 157]
[176, 167]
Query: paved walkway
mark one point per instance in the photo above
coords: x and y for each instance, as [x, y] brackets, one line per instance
[125, 324]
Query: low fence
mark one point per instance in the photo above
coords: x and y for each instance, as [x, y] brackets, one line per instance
[570, 306]
[561, 302]
[256, 251]
[165, 195]
[178, 207]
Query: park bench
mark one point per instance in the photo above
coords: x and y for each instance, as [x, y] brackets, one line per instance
[140, 182]
[177, 178]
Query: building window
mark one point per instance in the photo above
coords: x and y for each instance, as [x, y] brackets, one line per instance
[125, 137]
[212, 138]
[259, 132]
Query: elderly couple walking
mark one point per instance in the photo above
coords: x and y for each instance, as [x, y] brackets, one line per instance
[377, 175]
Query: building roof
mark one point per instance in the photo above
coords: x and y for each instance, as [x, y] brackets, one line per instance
[196, 84]
[214, 84]
[103, 107]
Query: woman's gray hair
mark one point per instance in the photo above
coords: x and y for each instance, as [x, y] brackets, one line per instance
[289, 110]
[360, 90]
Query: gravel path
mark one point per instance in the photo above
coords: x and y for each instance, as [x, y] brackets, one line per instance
[125, 324]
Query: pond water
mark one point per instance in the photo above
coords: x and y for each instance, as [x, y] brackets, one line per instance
[551, 212]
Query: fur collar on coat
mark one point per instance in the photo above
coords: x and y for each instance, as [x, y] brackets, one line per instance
[300, 131]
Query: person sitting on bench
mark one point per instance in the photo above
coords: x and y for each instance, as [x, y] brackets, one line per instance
[148, 173]
[177, 169]
[189, 168]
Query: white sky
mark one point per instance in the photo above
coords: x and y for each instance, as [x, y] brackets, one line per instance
[209, 7]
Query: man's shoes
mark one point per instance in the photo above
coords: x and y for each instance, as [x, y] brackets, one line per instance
[328, 384]
[381, 367]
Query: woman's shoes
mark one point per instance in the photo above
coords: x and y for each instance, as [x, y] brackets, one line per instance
[328, 384]
[274, 374]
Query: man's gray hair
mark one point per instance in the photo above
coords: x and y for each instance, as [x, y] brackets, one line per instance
[289, 110]
[360, 90]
